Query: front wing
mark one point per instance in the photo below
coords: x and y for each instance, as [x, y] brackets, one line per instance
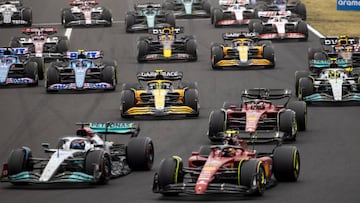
[171, 110]
[323, 97]
[88, 23]
[174, 57]
[72, 86]
[239, 64]
[281, 36]
[232, 22]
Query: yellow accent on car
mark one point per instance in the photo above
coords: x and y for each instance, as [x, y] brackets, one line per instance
[167, 53]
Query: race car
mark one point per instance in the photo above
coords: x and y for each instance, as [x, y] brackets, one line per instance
[160, 93]
[14, 13]
[81, 70]
[233, 13]
[86, 13]
[42, 46]
[342, 50]
[328, 85]
[16, 68]
[227, 169]
[87, 157]
[279, 27]
[262, 113]
[148, 15]
[244, 51]
[188, 8]
[167, 46]
[296, 7]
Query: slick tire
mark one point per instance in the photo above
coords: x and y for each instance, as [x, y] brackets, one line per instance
[101, 159]
[170, 172]
[127, 101]
[140, 153]
[217, 124]
[286, 163]
[191, 99]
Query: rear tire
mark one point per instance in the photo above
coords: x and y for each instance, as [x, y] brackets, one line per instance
[217, 124]
[143, 49]
[218, 16]
[27, 16]
[140, 153]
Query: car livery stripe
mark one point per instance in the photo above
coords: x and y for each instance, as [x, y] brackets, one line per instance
[239, 170]
[178, 160]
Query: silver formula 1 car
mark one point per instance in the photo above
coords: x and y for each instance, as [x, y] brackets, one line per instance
[86, 13]
[14, 13]
[87, 157]
[189, 8]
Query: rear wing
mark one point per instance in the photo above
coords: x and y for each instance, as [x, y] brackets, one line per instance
[14, 51]
[333, 40]
[147, 6]
[124, 128]
[168, 30]
[16, 3]
[235, 35]
[269, 14]
[268, 94]
[40, 30]
[159, 75]
[85, 54]
[79, 3]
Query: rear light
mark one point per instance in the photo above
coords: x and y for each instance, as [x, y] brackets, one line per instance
[5, 170]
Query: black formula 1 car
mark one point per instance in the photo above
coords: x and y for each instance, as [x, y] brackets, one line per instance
[342, 51]
[229, 169]
[42, 46]
[160, 93]
[17, 68]
[87, 157]
[14, 13]
[149, 15]
[189, 8]
[81, 70]
[260, 113]
[243, 52]
[167, 46]
[86, 13]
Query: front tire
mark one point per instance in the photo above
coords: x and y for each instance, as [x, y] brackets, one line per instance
[170, 172]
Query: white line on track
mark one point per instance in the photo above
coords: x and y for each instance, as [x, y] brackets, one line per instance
[68, 33]
[317, 33]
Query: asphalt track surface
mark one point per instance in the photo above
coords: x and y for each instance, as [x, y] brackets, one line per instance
[329, 148]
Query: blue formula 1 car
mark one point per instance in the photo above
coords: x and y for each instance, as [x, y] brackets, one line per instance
[87, 157]
[82, 70]
[17, 68]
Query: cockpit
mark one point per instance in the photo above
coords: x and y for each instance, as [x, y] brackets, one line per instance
[159, 85]
[334, 74]
[241, 42]
[81, 63]
[38, 37]
[74, 143]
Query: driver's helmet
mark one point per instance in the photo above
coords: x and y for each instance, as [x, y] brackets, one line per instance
[237, 43]
[39, 38]
[85, 132]
[228, 152]
[334, 74]
[279, 2]
[165, 85]
[78, 144]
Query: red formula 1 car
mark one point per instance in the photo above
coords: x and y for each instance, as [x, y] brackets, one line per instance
[230, 168]
[258, 114]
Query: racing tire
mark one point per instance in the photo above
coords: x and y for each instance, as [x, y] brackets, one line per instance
[129, 21]
[31, 71]
[269, 54]
[306, 88]
[52, 77]
[311, 53]
[66, 17]
[217, 123]
[190, 47]
[265, 42]
[127, 101]
[191, 99]
[98, 160]
[27, 16]
[19, 161]
[168, 5]
[258, 27]
[286, 163]
[251, 24]
[130, 86]
[228, 104]
[300, 109]
[217, 55]
[108, 75]
[170, 172]
[300, 9]
[14, 43]
[252, 175]
[320, 56]
[143, 49]
[189, 85]
[170, 19]
[218, 15]
[40, 65]
[62, 46]
[140, 153]
[106, 15]
[204, 150]
[206, 6]
[298, 76]
[287, 124]
[303, 29]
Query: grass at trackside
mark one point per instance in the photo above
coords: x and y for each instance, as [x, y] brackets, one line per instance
[323, 16]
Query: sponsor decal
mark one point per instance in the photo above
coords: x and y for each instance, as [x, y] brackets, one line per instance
[348, 5]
